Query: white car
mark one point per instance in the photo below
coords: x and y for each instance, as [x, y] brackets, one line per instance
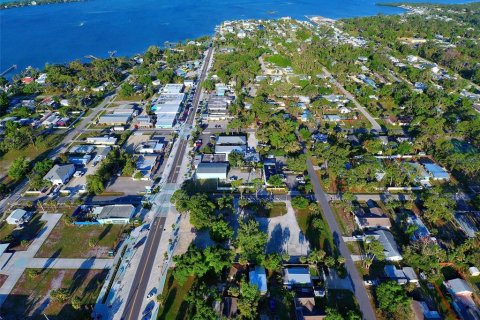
[78, 174]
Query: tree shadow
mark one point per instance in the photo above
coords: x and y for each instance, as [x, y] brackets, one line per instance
[169, 301]
[105, 232]
[51, 259]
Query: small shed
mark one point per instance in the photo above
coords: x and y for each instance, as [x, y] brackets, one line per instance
[474, 272]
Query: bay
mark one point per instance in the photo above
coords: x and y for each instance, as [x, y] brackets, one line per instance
[58, 33]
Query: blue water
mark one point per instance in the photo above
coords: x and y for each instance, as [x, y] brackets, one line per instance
[58, 33]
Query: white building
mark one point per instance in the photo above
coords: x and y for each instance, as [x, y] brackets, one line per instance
[60, 174]
[106, 140]
[114, 214]
[18, 216]
[214, 170]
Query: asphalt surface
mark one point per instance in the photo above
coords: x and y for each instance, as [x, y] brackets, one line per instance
[140, 282]
[364, 111]
[357, 282]
[137, 294]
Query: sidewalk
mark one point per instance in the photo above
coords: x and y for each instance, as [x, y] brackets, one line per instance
[20, 260]
[42, 263]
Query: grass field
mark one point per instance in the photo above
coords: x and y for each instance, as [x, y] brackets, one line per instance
[280, 61]
[276, 209]
[30, 296]
[318, 237]
[8, 234]
[67, 241]
[30, 152]
[174, 293]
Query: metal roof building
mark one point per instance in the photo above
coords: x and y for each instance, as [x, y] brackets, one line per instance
[213, 170]
[231, 140]
[114, 214]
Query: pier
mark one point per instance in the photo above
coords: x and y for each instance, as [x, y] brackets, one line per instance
[8, 70]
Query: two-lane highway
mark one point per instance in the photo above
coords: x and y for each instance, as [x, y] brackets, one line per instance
[133, 307]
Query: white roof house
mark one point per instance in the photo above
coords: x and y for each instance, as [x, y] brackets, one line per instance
[18, 216]
[60, 174]
[214, 170]
[151, 146]
[297, 276]
[231, 140]
[114, 214]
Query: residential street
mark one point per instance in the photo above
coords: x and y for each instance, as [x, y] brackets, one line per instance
[374, 123]
[357, 281]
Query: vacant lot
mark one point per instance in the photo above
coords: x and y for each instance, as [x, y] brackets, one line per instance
[175, 306]
[268, 210]
[31, 295]
[17, 237]
[67, 241]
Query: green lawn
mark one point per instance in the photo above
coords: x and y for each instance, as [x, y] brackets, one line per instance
[175, 307]
[318, 238]
[30, 151]
[67, 241]
[8, 234]
[276, 209]
[280, 60]
[29, 294]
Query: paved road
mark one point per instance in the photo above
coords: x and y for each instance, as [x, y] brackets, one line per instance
[133, 307]
[364, 111]
[357, 282]
[62, 147]
[139, 286]
[64, 263]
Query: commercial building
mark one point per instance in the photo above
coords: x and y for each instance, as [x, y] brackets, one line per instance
[231, 140]
[146, 165]
[114, 119]
[82, 149]
[215, 170]
[165, 121]
[18, 217]
[106, 140]
[172, 88]
[217, 108]
[60, 174]
[114, 214]
[81, 160]
[151, 147]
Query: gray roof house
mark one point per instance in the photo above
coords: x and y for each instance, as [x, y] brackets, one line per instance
[60, 174]
[114, 214]
[392, 253]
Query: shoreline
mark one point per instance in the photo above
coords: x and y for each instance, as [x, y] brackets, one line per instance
[27, 3]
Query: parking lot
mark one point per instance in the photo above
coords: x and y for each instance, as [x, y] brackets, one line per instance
[127, 186]
[246, 176]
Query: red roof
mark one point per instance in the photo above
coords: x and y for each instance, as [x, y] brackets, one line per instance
[27, 80]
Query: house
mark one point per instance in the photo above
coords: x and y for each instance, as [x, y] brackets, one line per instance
[269, 169]
[344, 110]
[80, 160]
[106, 140]
[114, 214]
[297, 276]
[392, 253]
[436, 172]
[143, 121]
[18, 217]
[226, 150]
[258, 277]
[421, 311]
[229, 308]
[81, 149]
[146, 165]
[60, 174]
[306, 115]
[376, 218]
[463, 302]
[402, 276]
[421, 232]
[151, 146]
[214, 170]
[306, 308]
[332, 117]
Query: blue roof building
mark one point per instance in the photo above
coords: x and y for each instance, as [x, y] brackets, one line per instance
[258, 277]
[436, 172]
